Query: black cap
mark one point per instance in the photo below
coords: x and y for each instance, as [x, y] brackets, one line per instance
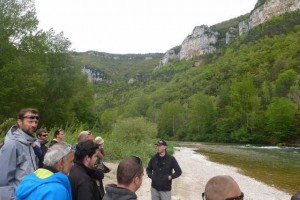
[161, 142]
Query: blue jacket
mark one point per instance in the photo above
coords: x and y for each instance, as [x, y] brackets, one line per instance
[17, 160]
[44, 185]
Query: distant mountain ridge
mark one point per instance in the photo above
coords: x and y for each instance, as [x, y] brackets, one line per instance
[204, 39]
[108, 68]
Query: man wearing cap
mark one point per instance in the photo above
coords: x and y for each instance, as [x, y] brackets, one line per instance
[162, 168]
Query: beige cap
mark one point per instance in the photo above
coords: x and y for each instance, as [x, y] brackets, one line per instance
[99, 140]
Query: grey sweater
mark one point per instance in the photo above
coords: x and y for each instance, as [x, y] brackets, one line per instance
[17, 160]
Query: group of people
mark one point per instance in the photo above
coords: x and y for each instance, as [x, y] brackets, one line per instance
[31, 170]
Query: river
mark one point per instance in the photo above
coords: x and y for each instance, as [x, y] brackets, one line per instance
[275, 166]
[197, 170]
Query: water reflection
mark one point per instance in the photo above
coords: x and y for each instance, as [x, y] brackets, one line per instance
[276, 166]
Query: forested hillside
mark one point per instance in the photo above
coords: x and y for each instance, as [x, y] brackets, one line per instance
[248, 92]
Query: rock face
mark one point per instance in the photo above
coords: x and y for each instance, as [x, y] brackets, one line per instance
[272, 8]
[243, 27]
[95, 75]
[201, 41]
[231, 34]
[169, 55]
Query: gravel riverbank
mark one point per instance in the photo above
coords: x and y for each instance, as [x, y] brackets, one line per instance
[197, 170]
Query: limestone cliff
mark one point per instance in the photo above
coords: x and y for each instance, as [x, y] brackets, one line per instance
[272, 8]
[201, 41]
[203, 38]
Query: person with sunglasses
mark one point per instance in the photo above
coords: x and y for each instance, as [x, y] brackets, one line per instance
[17, 155]
[130, 173]
[222, 187]
[42, 140]
[50, 182]
[162, 169]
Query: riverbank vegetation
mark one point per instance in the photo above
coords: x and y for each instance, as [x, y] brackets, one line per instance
[247, 92]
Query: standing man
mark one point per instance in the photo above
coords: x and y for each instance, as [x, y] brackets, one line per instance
[17, 155]
[42, 140]
[50, 182]
[162, 168]
[129, 177]
[83, 175]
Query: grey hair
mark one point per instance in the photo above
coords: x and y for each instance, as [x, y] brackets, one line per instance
[55, 153]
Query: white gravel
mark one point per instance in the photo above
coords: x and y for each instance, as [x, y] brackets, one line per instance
[197, 170]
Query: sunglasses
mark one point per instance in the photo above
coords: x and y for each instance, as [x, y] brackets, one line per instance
[241, 197]
[46, 135]
[139, 164]
[32, 117]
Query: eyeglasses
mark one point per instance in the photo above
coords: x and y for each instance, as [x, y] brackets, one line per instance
[46, 135]
[32, 117]
[139, 162]
[241, 197]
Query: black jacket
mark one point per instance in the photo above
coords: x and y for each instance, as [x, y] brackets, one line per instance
[115, 193]
[83, 182]
[159, 168]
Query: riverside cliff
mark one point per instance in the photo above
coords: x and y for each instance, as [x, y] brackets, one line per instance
[203, 39]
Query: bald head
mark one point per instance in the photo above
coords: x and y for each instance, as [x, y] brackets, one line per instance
[84, 136]
[296, 196]
[221, 187]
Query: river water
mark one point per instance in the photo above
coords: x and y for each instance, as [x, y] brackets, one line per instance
[276, 166]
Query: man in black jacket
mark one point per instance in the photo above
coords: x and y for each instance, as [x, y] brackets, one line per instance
[162, 168]
[83, 175]
[129, 177]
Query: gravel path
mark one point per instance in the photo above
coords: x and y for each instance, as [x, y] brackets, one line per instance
[196, 172]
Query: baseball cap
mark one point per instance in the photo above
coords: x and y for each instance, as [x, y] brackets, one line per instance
[161, 142]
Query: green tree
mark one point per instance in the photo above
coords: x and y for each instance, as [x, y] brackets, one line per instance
[138, 106]
[245, 101]
[281, 119]
[134, 130]
[22, 73]
[171, 119]
[108, 118]
[202, 113]
[284, 82]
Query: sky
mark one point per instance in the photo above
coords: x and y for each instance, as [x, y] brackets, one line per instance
[133, 26]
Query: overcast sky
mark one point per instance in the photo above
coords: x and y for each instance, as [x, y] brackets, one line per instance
[133, 26]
